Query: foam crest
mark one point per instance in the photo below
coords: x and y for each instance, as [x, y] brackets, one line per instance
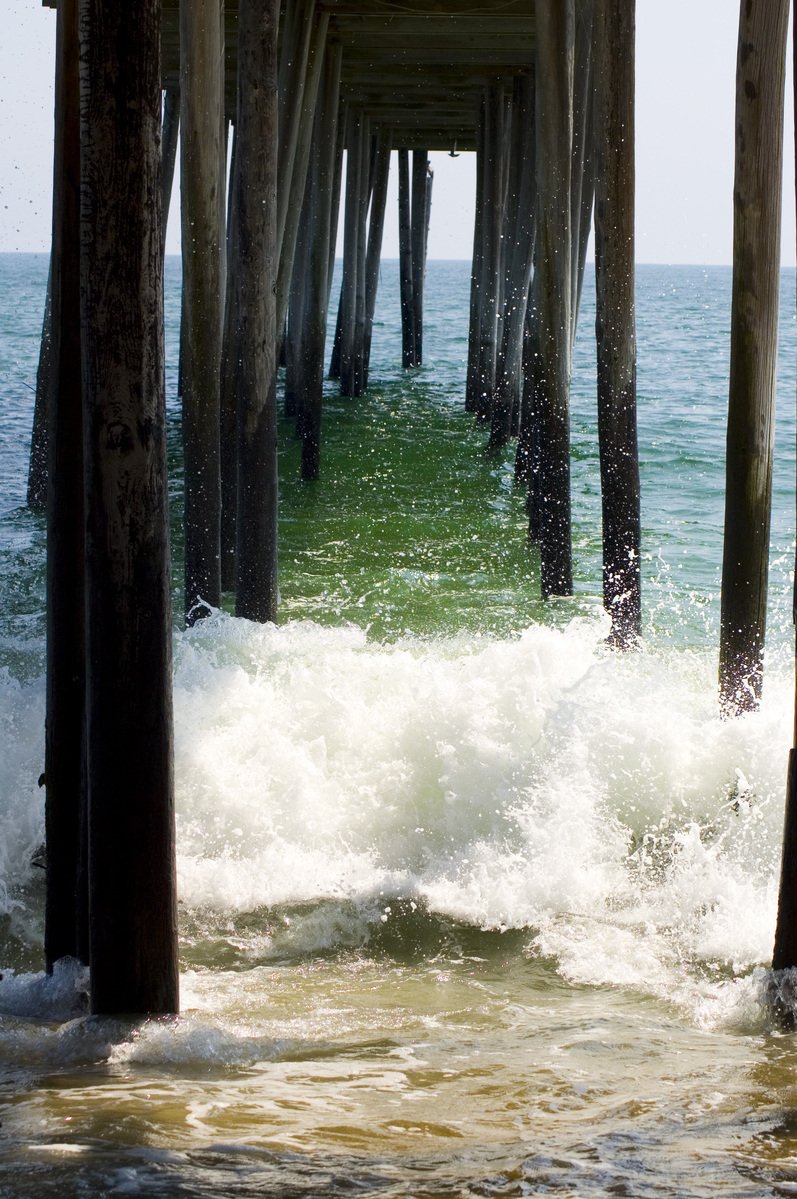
[540, 782]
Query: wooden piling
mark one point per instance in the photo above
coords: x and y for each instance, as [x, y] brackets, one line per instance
[472, 376]
[340, 150]
[360, 305]
[784, 954]
[615, 319]
[760, 76]
[65, 932]
[314, 318]
[133, 914]
[490, 289]
[376, 227]
[527, 440]
[255, 273]
[405, 261]
[418, 226]
[294, 56]
[228, 397]
[201, 182]
[553, 265]
[296, 186]
[353, 284]
[294, 324]
[520, 248]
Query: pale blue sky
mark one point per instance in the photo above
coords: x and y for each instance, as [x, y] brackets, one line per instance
[686, 56]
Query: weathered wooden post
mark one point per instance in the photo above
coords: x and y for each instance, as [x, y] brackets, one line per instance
[520, 238]
[65, 910]
[525, 464]
[201, 183]
[472, 376]
[228, 398]
[316, 301]
[553, 263]
[294, 56]
[301, 158]
[294, 324]
[784, 955]
[352, 325]
[760, 76]
[491, 286]
[133, 917]
[405, 261]
[255, 271]
[360, 306]
[615, 321]
[418, 227]
[376, 228]
[340, 150]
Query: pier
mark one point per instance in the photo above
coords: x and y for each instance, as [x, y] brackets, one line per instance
[543, 94]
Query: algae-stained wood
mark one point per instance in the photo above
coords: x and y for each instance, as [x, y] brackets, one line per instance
[65, 931]
[314, 317]
[201, 186]
[519, 236]
[255, 270]
[376, 226]
[418, 226]
[615, 316]
[405, 260]
[760, 82]
[491, 258]
[553, 263]
[133, 925]
[296, 186]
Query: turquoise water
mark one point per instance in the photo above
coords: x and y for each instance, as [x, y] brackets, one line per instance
[469, 905]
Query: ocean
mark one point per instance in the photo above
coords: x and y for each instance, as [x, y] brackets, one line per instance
[470, 904]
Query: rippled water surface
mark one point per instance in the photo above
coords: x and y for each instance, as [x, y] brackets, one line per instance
[470, 906]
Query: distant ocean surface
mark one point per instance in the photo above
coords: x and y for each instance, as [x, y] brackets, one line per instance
[470, 905]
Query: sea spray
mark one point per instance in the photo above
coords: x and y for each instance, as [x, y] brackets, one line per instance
[540, 782]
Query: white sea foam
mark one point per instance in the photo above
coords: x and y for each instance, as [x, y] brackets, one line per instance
[541, 782]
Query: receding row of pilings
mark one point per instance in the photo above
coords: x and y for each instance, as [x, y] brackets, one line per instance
[561, 138]
[533, 212]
